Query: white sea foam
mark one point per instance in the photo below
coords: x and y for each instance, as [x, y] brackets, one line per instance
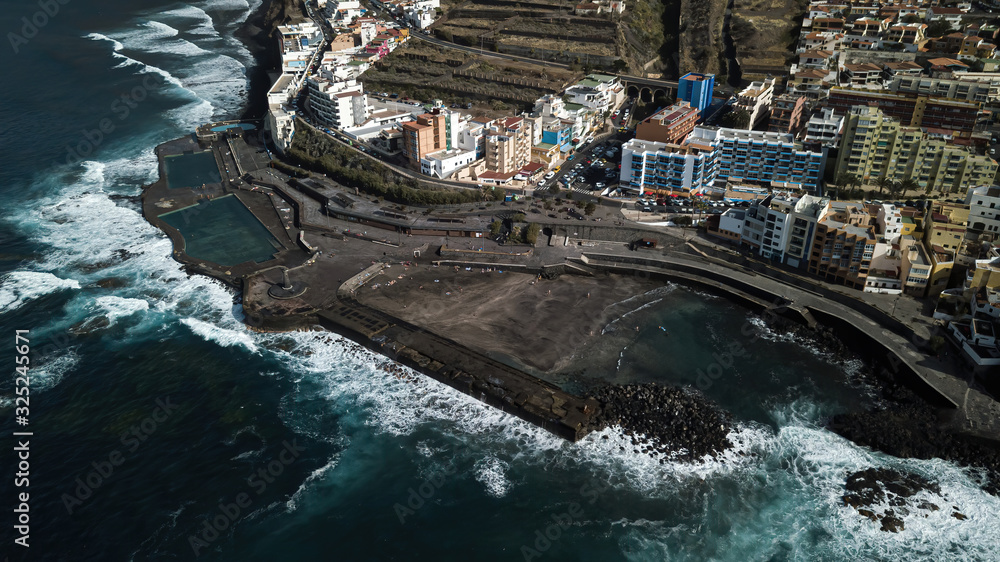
[126, 61]
[492, 473]
[307, 485]
[223, 336]
[52, 370]
[114, 307]
[19, 287]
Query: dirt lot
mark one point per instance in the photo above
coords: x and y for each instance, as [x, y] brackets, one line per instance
[542, 324]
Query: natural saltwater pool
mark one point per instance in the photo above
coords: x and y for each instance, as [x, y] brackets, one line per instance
[228, 234]
[191, 169]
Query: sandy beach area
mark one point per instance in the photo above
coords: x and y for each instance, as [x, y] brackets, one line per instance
[541, 324]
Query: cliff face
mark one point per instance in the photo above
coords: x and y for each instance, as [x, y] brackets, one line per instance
[700, 47]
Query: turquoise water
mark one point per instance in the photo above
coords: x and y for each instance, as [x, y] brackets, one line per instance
[223, 231]
[244, 126]
[191, 170]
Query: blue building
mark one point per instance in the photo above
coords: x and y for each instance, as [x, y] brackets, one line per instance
[713, 156]
[559, 133]
[696, 89]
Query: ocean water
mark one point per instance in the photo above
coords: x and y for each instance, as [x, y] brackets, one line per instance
[164, 430]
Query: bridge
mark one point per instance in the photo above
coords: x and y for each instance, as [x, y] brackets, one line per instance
[647, 89]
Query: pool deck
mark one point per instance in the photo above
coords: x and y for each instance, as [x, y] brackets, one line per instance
[319, 255]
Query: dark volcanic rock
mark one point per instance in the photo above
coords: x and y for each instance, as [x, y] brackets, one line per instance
[664, 420]
[906, 426]
[112, 283]
[871, 488]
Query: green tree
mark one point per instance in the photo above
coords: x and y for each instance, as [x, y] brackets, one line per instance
[736, 119]
[519, 217]
[938, 28]
[495, 228]
[531, 233]
[590, 208]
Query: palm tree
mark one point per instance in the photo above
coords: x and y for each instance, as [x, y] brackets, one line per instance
[883, 183]
[908, 185]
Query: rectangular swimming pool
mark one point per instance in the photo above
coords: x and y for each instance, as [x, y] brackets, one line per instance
[223, 231]
[191, 169]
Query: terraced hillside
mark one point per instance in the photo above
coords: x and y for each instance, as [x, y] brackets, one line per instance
[550, 30]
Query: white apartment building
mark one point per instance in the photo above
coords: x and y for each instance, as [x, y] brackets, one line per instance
[599, 92]
[984, 211]
[782, 229]
[297, 43]
[824, 127]
[755, 99]
[444, 163]
[344, 11]
[337, 104]
[655, 166]
[890, 221]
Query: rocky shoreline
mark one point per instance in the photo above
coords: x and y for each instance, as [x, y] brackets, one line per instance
[884, 496]
[665, 422]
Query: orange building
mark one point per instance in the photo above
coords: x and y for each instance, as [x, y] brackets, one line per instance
[669, 125]
[430, 133]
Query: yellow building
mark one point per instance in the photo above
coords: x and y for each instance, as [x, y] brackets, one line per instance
[874, 146]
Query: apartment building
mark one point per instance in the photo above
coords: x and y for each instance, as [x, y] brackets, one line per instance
[864, 75]
[984, 211]
[979, 92]
[696, 89]
[782, 229]
[598, 92]
[910, 109]
[874, 145]
[688, 167]
[430, 133]
[843, 245]
[824, 128]
[763, 158]
[670, 125]
[787, 114]
[335, 104]
[916, 266]
[755, 99]
[508, 145]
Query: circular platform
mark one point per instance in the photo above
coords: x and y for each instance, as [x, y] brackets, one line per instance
[278, 292]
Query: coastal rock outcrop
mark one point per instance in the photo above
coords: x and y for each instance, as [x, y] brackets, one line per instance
[665, 421]
[886, 495]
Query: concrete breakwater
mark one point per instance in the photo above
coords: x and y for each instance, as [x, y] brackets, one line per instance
[446, 361]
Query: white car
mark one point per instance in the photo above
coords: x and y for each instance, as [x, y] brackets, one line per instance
[549, 175]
